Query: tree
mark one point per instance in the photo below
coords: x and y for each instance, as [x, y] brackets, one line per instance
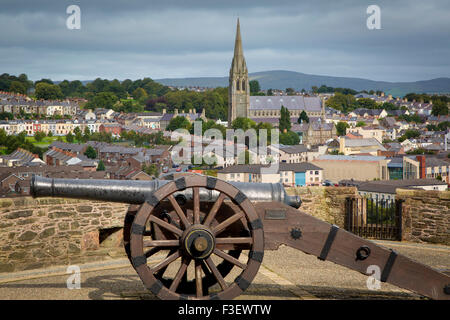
[243, 123]
[90, 153]
[285, 119]
[443, 126]
[78, 135]
[341, 128]
[47, 81]
[6, 116]
[440, 108]
[290, 91]
[87, 134]
[254, 87]
[270, 92]
[303, 117]
[101, 166]
[245, 157]
[265, 126]
[17, 87]
[39, 136]
[411, 133]
[70, 137]
[178, 122]
[360, 124]
[289, 138]
[48, 91]
[342, 102]
[366, 103]
[140, 94]
[151, 170]
[104, 100]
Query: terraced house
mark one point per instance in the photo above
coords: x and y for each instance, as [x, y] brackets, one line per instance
[290, 174]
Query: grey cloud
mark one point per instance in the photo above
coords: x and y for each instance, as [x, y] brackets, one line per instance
[136, 38]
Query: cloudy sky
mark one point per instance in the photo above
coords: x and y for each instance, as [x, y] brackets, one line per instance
[193, 38]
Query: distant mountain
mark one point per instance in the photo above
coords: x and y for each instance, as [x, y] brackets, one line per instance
[288, 79]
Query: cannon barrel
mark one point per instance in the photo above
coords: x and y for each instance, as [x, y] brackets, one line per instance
[138, 191]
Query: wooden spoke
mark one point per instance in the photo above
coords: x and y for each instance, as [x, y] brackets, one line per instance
[162, 243]
[160, 272]
[214, 210]
[222, 226]
[196, 198]
[229, 258]
[180, 274]
[216, 273]
[166, 261]
[179, 211]
[166, 225]
[198, 279]
[237, 240]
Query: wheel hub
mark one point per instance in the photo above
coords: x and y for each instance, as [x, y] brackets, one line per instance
[198, 242]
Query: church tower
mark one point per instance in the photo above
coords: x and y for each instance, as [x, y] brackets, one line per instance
[238, 89]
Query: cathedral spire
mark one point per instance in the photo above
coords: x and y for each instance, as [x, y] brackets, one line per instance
[238, 89]
[238, 59]
[238, 52]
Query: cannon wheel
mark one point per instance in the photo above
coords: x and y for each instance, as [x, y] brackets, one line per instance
[209, 280]
[196, 241]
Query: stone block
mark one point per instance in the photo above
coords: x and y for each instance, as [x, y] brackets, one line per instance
[27, 236]
[47, 233]
[83, 209]
[7, 267]
[60, 214]
[5, 203]
[19, 214]
[90, 241]
[18, 255]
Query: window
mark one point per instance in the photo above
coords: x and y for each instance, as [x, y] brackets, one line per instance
[317, 172]
[232, 176]
[310, 172]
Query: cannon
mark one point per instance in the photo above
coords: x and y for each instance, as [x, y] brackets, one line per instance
[199, 237]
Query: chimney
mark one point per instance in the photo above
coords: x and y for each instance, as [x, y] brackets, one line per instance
[190, 111]
[176, 112]
[422, 167]
[164, 111]
[203, 113]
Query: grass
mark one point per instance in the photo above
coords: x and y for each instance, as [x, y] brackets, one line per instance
[45, 142]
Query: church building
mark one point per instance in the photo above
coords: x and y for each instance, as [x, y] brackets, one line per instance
[262, 108]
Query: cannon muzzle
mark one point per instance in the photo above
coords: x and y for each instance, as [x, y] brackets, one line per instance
[138, 191]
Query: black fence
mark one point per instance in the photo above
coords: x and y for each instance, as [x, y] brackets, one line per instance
[374, 218]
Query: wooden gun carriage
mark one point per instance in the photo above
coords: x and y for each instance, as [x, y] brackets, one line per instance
[210, 235]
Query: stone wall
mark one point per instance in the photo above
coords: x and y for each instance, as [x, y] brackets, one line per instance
[35, 233]
[325, 203]
[42, 232]
[425, 216]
